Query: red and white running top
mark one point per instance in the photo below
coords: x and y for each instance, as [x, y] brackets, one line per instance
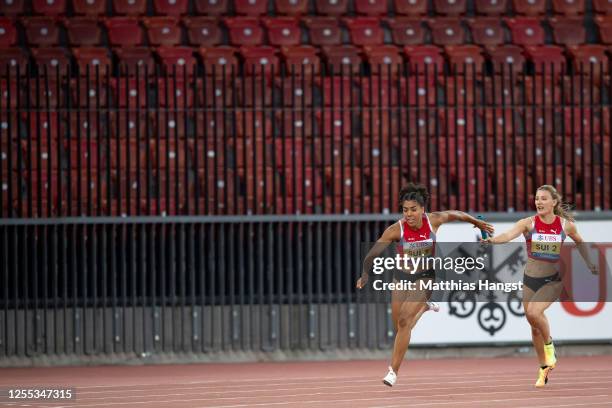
[544, 240]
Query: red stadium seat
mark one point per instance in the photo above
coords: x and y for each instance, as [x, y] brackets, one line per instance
[526, 31]
[92, 57]
[604, 24]
[260, 59]
[337, 91]
[244, 31]
[378, 123]
[602, 6]
[465, 58]
[365, 31]
[85, 126]
[545, 58]
[283, 31]
[258, 125]
[411, 7]
[301, 60]
[83, 31]
[450, 7]
[580, 92]
[129, 92]
[8, 95]
[218, 60]
[41, 31]
[585, 55]
[47, 123]
[251, 7]
[295, 92]
[291, 7]
[507, 58]
[529, 7]
[419, 91]
[51, 92]
[135, 60]
[371, 7]
[406, 31]
[425, 56]
[8, 32]
[211, 7]
[170, 7]
[487, 31]
[568, 31]
[89, 7]
[331, 7]
[214, 92]
[446, 31]
[53, 58]
[498, 122]
[49, 7]
[12, 57]
[568, 7]
[383, 59]
[180, 59]
[543, 90]
[382, 92]
[334, 123]
[203, 31]
[163, 30]
[324, 31]
[343, 58]
[298, 123]
[86, 92]
[459, 93]
[130, 7]
[250, 92]
[171, 124]
[491, 7]
[123, 31]
[12, 8]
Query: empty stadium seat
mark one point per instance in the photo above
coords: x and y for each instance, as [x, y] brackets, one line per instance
[337, 91]
[365, 31]
[410, 7]
[12, 8]
[8, 32]
[586, 55]
[545, 58]
[211, 7]
[92, 57]
[568, 7]
[491, 7]
[301, 60]
[203, 31]
[425, 57]
[218, 60]
[602, 6]
[568, 31]
[12, 58]
[260, 60]
[604, 24]
[89, 7]
[41, 31]
[487, 31]
[383, 59]
[526, 31]
[244, 31]
[49, 7]
[406, 30]
[83, 31]
[343, 58]
[371, 7]
[465, 58]
[129, 92]
[251, 7]
[507, 58]
[123, 31]
[324, 31]
[450, 7]
[291, 7]
[283, 31]
[130, 7]
[163, 30]
[170, 7]
[135, 60]
[331, 7]
[446, 31]
[529, 7]
[54, 58]
[177, 59]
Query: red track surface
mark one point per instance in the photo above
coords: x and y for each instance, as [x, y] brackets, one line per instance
[508, 382]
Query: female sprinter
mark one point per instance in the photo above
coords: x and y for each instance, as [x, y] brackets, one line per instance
[416, 227]
[541, 282]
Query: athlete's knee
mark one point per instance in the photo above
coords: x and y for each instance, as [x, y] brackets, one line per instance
[405, 321]
[533, 315]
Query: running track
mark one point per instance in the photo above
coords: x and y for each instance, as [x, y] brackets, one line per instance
[499, 382]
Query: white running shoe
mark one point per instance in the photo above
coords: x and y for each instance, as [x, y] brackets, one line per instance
[390, 378]
[433, 306]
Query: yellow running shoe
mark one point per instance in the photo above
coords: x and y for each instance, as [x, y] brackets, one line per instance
[543, 376]
[550, 355]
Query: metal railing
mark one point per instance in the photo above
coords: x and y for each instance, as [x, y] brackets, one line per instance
[271, 141]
